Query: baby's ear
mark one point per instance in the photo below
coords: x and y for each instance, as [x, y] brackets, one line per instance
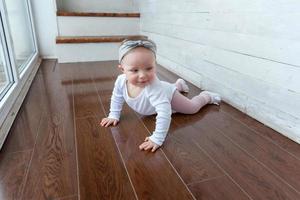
[120, 67]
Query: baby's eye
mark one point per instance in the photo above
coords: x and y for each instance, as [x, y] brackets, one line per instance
[134, 70]
[149, 68]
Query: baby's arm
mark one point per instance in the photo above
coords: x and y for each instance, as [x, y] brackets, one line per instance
[116, 105]
[163, 120]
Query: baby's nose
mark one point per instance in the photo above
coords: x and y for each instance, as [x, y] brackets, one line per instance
[142, 75]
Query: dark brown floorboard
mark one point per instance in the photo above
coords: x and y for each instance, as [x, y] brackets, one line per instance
[69, 198]
[267, 153]
[52, 173]
[13, 169]
[256, 180]
[218, 153]
[102, 174]
[216, 189]
[191, 163]
[28, 118]
[281, 141]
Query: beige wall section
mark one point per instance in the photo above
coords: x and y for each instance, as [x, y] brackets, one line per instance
[245, 50]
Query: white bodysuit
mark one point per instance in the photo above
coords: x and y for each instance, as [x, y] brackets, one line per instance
[154, 98]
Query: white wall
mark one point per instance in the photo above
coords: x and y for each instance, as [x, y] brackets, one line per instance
[99, 5]
[44, 12]
[245, 50]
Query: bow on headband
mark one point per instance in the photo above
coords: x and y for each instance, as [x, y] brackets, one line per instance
[128, 45]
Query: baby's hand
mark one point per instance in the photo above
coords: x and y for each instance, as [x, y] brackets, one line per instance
[148, 144]
[108, 121]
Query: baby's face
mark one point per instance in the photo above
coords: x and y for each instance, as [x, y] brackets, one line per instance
[139, 65]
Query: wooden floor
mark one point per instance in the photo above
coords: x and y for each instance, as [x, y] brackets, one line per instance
[56, 149]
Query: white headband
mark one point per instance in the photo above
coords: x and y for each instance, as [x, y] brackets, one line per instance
[128, 45]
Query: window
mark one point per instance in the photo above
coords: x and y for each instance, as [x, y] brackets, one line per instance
[5, 70]
[18, 59]
[20, 31]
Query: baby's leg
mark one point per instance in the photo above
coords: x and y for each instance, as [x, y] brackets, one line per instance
[185, 105]
[181, 85]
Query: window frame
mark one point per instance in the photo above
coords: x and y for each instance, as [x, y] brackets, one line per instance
[16, 93]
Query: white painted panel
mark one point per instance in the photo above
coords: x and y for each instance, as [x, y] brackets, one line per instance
[261, 69]
[275, 25]
[84, 52]
[97, 26]
[186, 73]
[283, 122]
[220, 6]
[275, 49]
[267, 25]
[99, 6]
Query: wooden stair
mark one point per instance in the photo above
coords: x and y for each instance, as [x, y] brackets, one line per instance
[95, 39]
[94, 36]
[93, 14]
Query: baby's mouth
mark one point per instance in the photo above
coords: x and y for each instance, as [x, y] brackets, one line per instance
[143, 82]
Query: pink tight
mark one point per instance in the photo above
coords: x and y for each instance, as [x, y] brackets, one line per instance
[184, 105]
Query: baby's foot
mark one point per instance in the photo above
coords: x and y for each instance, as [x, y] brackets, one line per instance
[214, 97]
[181, 85]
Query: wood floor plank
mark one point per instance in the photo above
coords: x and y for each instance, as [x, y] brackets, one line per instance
[102, 174]
[13, 168]
[52, 173]
[23, 132]
[86, 99]
[189, 161]
[283, 164]
[177, 134]
[152, 175]
[277, 138]
[216, 189]
[254, 178]
[68, 198]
